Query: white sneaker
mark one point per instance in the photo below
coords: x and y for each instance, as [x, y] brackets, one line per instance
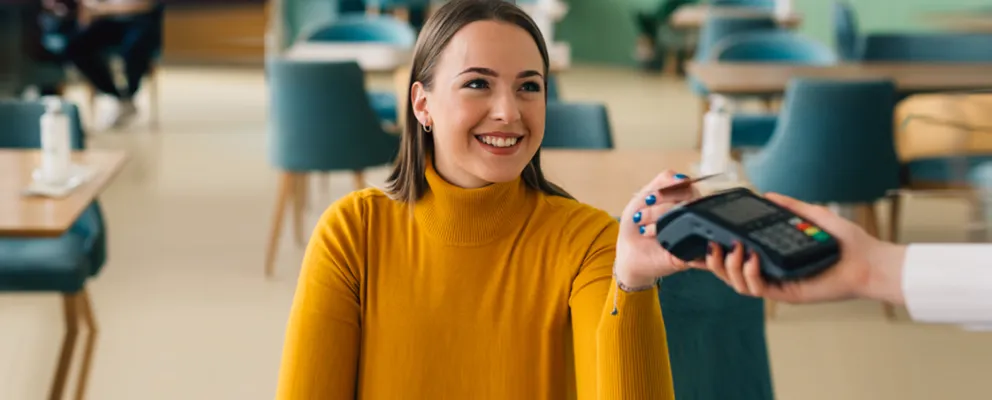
[117, 116]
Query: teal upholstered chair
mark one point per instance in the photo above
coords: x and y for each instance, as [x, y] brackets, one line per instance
[716, 339]
[60, 265]
[777, 46]
[321, 121]
[377, 29]
[773, 46]
[716, 28]
[847, 39]
[833, 143]
[577, 126]
[765, 4]
[928, 47]
[553, 91]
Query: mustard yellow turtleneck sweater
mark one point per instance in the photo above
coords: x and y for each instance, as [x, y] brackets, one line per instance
[501, 292]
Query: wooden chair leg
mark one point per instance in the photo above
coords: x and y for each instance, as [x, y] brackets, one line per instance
[91, 100]
[895, 218]
[70, 310]
[869, 220]
[299, 206]
[287, 189]
[153, 99]
[88, 318]
[359, 179]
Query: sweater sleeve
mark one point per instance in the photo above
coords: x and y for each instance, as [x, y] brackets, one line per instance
[622, 356]
[321, 349]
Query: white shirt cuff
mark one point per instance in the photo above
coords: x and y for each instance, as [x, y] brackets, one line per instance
[949, 283]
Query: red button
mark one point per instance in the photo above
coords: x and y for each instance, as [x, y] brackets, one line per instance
[802, 226]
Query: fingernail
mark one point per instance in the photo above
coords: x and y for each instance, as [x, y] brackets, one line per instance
[680, 176]
[650, 200]
[641, 229]
[637, 217]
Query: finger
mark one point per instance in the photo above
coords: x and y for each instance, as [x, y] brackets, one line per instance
[752, 276]
[734, 265]
[649, 195]
[648, 230]
[649, 213]
[714, 262]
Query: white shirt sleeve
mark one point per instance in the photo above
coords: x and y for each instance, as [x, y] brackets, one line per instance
[949, 283]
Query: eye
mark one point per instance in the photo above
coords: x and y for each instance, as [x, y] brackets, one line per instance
[531, 87]
[477, 84]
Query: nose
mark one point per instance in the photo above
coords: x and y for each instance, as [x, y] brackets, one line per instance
[504, 107]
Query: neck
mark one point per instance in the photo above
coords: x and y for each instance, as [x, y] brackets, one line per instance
[472, 216]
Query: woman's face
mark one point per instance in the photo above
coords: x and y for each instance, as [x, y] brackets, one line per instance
[486, 105]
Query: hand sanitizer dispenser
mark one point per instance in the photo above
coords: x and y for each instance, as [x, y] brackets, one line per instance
[716, 137]
[56, 149]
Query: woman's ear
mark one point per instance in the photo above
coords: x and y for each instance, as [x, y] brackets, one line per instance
[418, 100]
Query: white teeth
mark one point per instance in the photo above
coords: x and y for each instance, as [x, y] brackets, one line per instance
[499, 141]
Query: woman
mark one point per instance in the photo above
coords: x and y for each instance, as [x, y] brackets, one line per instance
[473, 277]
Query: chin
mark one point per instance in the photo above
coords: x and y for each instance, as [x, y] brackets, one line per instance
[501, 171]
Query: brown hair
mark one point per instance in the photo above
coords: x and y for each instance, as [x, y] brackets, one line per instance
[407, 181]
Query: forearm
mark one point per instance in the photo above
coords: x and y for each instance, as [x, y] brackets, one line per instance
[885, 282]
[632, 348]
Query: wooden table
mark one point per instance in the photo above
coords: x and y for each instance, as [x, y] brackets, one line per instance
[45, 217]
[768, 78]
[692, 16]
[608, 179]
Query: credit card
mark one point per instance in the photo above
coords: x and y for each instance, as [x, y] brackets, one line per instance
[688, 182]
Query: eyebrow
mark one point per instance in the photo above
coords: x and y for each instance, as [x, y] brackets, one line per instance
[492, 73]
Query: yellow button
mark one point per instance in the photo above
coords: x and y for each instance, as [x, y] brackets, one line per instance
[812, 231]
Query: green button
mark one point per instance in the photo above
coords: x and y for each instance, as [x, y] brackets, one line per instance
[821, 236]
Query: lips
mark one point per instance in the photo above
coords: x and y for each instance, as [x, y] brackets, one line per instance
[500, 143]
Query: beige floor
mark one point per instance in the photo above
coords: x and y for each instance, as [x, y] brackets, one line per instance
[185, 312]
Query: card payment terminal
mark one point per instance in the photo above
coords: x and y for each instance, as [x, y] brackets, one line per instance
[788, 246]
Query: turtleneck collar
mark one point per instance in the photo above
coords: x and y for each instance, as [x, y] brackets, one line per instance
[466, 217]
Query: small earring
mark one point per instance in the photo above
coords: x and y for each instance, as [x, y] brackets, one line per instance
[427, 128]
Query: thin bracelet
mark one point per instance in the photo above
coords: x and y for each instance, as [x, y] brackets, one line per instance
[628, 289]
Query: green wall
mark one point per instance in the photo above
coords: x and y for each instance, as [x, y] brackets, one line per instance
[603, 31]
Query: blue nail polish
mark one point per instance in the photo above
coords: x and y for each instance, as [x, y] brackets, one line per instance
[650, 200]
[642, 229]
[680, 176]
[637, 217]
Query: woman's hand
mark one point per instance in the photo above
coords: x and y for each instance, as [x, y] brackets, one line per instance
[640, 259]
[868, 267]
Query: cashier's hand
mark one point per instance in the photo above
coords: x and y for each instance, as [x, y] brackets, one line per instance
[868, 267]
[640, 259]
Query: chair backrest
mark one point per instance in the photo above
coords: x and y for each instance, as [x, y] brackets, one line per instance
[716, 339]
[365, 28]
[299, 17]
[773, 46]
[834, 143]
[929, 47]
[846, 36]
[577, 126]
[718, 27]
[744, 3]
[322, 119]
[554, 93]
[21, 122]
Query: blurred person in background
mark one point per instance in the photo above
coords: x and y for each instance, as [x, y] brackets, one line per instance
[471, 276]
[129, 29]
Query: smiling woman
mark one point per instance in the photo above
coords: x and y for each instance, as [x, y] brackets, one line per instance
[472, 276]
